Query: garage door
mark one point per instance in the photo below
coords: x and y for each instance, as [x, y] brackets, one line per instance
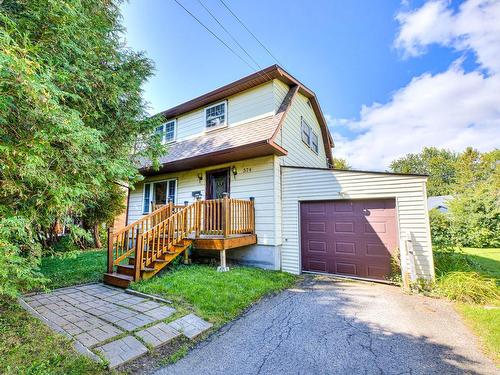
[349, 237]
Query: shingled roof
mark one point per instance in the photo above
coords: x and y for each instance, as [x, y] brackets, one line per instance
[251, 139]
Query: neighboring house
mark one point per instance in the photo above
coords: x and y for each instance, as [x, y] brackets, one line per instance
[439, 202]
[264, 136]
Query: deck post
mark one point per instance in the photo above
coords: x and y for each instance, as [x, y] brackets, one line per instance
[138, 256]
[223, 267]
[252, 214]
[198, 216]
[225, 215]
[110, 249]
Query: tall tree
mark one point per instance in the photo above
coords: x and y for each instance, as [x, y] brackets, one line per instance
[439, 164]
[73, 120]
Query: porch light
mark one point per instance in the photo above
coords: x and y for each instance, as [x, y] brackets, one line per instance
[200, 177]
[234, 170]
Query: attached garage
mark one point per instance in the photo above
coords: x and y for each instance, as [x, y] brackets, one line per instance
[354, 223]
[349, 237]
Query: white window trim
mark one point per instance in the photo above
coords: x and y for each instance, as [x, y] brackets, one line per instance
[311, 132]
[304, 122]
[164, 133]
[225, 116]
[151, 192]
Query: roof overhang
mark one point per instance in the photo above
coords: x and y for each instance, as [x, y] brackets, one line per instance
[253, 80]
[248, 151]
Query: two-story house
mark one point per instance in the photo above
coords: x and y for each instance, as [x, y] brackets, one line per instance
[264, 137]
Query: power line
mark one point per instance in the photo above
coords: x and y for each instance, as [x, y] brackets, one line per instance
[247, 29]
[228, 33]
[214, 35]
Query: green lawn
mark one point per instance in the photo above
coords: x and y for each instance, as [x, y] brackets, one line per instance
[29, 347]
[74, 268]
[484, 319]
[488, 260]
[215, 296]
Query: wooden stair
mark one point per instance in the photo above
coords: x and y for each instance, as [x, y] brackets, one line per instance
[124, 273]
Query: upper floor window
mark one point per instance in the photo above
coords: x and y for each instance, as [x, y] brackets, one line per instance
[309, 137]
[167, 131]
[306, 132]
[215, 115]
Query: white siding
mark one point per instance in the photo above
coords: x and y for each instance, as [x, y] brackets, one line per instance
[290, 136]
[314, 184]
[248, 105]
[257, 182]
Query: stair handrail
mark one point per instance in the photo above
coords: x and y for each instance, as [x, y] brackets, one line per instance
[160, 238]
[122, 243]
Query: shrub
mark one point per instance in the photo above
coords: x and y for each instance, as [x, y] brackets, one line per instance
[457, 279]
[440, 228]
[468, 287]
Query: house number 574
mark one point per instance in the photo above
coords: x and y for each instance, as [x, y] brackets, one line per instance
[247, 170]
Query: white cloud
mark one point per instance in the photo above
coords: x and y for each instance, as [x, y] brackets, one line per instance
[452, 109]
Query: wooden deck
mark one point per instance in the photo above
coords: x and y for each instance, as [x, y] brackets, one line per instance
[219, 242]
[152, 242]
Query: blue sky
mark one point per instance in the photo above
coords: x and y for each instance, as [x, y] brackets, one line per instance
[353, 54]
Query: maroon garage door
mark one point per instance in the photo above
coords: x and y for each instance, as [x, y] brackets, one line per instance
[349, 237]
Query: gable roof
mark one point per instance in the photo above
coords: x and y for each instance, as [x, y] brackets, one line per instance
[230, 140]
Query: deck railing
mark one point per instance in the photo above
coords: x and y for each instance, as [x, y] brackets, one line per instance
[153, 235]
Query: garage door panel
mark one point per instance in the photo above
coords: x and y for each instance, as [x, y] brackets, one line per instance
[354, 237]
[346, 268]
[377, 249]
[317, 246]
[344, 227]
[316, 227]
[318, 266]
[345, 247]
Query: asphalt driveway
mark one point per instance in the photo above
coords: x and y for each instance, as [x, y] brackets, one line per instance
[327, 326]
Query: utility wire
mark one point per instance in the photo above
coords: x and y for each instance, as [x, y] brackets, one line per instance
[228, 33]
[214, 35]
[247, 29]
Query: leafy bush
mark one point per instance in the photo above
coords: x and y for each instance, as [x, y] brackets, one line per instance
[440, 228]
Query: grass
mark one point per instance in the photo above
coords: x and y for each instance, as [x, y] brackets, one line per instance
[215, 296]
[474, 275]
[74, 268]
[29, 347]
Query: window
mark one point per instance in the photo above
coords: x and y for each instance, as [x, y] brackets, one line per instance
[158, 193]
[306, 132]
[314, 142]
[309, 137]
[215, 115]
[167, 131]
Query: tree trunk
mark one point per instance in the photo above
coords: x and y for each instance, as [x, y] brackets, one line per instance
[95, 233]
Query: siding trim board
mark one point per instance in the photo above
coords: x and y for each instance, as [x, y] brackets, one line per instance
[319, 184]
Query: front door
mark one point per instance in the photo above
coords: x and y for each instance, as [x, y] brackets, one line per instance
[217, 183]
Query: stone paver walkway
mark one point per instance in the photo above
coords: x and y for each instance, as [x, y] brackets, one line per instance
[104, 320]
